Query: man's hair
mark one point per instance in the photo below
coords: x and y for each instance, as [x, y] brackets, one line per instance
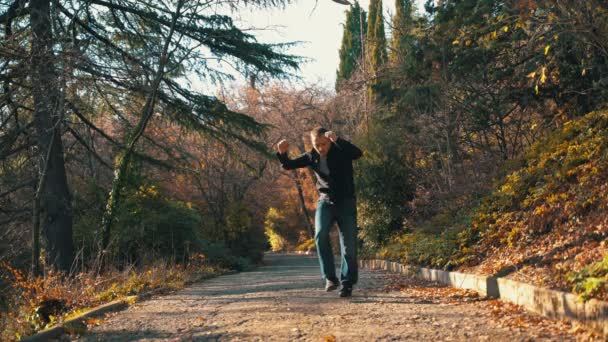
[318, 131]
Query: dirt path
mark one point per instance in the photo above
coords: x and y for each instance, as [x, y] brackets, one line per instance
[284, 301]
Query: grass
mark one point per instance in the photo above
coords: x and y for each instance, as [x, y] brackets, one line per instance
[41, 302]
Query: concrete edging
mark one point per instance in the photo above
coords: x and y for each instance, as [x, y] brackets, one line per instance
[117, 305]
[549, 303]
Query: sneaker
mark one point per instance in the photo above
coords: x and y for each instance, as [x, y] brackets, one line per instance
[346, 292]
[330, 285]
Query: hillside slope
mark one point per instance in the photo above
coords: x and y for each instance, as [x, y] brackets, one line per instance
[545, 223]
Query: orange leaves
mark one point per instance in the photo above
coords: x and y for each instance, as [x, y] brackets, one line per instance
[431, 292]
[91, 322]
[525, 5]
[329, 338]
[41, 302]
[198, 322]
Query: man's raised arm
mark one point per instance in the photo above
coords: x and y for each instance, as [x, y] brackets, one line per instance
[346, 146]
[290, 164]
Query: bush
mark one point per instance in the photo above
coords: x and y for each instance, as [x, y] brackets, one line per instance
[244, 237]
[148, 226]
[151, 226]
[384, 185]
[273, 230]
[219, 254]
[431, 250]
[591, 281]
[307, 246]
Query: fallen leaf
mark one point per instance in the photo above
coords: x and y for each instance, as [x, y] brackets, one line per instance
[329, 338]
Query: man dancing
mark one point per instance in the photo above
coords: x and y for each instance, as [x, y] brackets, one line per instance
[331, 159]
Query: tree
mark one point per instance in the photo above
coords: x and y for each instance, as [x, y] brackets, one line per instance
[120, 60]
[376, 46]
[402, 24]
[48, 118]
[384, 183]
[351, 48]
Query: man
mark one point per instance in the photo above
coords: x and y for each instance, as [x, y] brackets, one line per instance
[331, 159]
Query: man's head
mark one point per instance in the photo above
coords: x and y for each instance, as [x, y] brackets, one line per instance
[319, 141]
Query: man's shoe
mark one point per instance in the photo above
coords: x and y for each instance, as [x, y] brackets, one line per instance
[346, 292]
[330, 285]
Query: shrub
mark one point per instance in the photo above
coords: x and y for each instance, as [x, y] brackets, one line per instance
[307, 246]
[384, 185]
[245, 238]
[591, 281]
[272, 229]
[149, 225]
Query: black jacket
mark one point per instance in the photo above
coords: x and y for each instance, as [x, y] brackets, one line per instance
[339, 183]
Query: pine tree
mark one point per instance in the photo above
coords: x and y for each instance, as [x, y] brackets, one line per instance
[350, 51]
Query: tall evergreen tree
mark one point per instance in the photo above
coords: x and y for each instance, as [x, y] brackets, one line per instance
[53, 195]
[119, 58]
[402, 24]
[373, 11]
[376, 44]
[350, 50]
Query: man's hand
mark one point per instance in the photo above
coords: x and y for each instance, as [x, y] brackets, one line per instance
[283, 146]
[331, 136]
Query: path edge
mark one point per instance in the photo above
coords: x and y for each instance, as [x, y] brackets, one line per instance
[550, 303]
[113, 306]
[116, 305]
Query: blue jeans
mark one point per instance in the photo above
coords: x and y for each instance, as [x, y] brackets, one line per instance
[344, 212]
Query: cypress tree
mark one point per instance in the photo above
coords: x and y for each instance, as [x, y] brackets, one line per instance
[376, 44]
[402, 23]
[350, 51]
[378, 54]
[373, 10]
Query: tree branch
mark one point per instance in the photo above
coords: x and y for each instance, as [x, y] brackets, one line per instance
[85, 145]
[15, 10]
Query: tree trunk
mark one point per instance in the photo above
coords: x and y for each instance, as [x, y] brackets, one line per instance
[36, 270]
[308, 222]
[55, 201]
[305, 216]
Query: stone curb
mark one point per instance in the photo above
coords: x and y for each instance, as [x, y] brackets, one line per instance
[549, 303]
[117, 305]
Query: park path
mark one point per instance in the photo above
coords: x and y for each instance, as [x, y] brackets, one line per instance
[284, 301]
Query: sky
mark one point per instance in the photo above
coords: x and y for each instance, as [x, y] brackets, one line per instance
[316, 24]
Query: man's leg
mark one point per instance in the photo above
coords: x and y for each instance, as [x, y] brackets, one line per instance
[346, 215]
[323, 220]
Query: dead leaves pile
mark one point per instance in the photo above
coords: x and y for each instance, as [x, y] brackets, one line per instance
[502, 313]
[432, 292]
